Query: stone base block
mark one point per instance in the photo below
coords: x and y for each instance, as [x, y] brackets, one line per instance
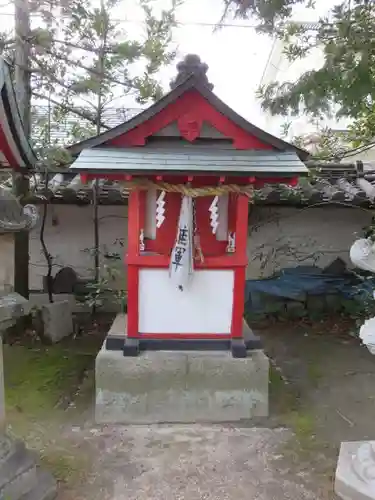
[355, 472]
[176, 386]
[20, 475]
[57, 320]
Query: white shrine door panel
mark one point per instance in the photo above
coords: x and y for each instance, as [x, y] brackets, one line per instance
[204, 307]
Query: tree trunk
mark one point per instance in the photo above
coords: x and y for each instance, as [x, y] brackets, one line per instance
[23, 93]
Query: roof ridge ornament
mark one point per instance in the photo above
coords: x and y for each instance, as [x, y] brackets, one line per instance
[191, 65]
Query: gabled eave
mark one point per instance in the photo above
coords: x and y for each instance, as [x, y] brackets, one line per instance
[189, 84]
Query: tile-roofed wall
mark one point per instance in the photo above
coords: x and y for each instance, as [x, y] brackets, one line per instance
[328, 184]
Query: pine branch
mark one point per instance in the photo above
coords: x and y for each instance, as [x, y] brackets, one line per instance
[70, 109]
[93, 71]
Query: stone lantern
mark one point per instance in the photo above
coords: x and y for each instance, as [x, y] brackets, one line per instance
[20, 478]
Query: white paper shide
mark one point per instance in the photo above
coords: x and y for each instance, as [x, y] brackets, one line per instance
[181, 265]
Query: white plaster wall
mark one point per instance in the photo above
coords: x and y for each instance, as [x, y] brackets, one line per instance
[71, 239]
[279, 237]
[287, 236]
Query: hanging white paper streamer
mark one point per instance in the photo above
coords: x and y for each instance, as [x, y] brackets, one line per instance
[181, 265]
[222, 230]
[160, 210]
[362, 254]
[214, 214]
[367, 334]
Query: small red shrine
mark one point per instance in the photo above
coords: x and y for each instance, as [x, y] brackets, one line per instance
[191, 164]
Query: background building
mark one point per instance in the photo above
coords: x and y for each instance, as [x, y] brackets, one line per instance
[279, 68]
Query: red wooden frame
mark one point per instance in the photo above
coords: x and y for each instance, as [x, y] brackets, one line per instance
[136, 261]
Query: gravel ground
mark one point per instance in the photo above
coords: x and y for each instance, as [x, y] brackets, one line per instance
[190, 462]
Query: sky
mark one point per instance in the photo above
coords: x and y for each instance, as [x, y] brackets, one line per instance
[236, 54]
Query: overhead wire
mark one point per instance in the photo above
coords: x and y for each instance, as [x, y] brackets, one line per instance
[140, 21]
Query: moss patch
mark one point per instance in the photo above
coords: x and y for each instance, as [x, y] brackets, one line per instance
[46, 390]
[40, 381]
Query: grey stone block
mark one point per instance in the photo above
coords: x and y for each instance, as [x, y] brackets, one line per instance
[191, 386]
[355, 472]
[45, 488]
[57, 320]
[20, 476]
[12, 307]
[17, 473]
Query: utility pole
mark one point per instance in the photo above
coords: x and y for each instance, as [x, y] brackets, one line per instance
[23, 93]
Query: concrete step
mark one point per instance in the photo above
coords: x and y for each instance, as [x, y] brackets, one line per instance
[17, 473]
[45, 489]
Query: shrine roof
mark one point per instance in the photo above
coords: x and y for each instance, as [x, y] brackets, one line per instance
[15, 149]
[138, 161]
[192, 82]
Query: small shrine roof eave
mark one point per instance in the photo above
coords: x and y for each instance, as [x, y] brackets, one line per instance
[15, 149]
[192, 82]
[139, 161]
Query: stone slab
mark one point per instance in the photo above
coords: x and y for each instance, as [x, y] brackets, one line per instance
[180, 386]
[20, 475]
[57, 320]
[45, 489]
[17, 475]
[355, 472]
[119, 326]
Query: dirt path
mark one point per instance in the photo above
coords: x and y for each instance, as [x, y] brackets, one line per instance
[188, 462]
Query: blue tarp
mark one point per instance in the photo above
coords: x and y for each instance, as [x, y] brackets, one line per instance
[299, 282]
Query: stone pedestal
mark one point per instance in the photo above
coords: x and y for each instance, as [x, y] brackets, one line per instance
[57, 320]
[20, 477]
[355, 473]
[179, 386]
